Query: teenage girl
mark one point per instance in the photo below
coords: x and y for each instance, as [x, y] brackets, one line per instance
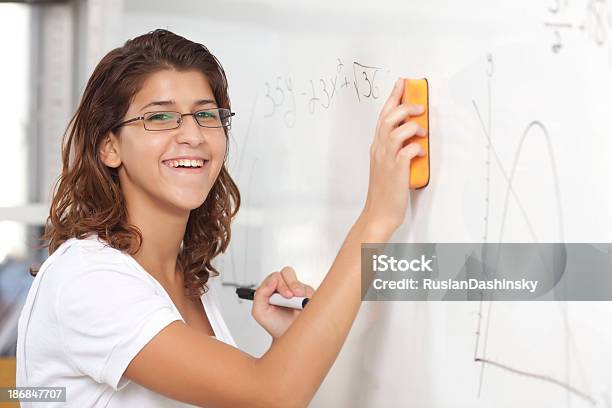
[120, 313]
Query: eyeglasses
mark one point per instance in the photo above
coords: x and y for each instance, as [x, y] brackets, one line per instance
[168, 120]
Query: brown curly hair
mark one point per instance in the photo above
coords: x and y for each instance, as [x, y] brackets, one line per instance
[87, 196]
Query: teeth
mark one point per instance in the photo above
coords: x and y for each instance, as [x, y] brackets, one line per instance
[185, 163]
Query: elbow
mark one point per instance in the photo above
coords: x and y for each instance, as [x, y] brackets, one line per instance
[288, 401]
[281, 390]
[278, 396]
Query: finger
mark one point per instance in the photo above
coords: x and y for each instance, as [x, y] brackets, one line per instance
[268, 286]
[309, 291]
[263, 293]
[409, 152]
[283, 288]
[288, 274]
[394, 98]
[395, 118]
[400, 135]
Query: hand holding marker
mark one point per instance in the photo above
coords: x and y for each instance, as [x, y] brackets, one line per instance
[296, 302]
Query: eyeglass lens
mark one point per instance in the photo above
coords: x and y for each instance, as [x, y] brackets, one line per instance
[214, 118]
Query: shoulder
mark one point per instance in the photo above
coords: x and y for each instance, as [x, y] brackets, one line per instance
[107, 308]
[95, 282]
[91, 258]
[87, 251]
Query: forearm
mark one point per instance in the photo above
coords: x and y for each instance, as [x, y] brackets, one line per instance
[300, 359]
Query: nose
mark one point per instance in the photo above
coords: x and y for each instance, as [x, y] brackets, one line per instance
[189, 131]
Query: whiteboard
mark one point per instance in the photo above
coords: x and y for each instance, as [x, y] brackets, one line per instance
[520, 95]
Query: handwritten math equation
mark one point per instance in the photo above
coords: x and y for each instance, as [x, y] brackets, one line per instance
[284, 99]
[590, 18]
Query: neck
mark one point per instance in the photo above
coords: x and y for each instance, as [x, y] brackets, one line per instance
[162, 232]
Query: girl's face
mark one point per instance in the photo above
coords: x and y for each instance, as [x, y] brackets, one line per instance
[146, 159]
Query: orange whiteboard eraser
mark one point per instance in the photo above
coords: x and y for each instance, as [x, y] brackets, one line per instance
[416, 91]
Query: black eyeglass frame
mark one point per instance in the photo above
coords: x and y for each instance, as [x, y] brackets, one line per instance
[179, 121]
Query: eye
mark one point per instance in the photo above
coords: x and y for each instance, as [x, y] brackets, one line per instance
[160, 116]
[207, 114]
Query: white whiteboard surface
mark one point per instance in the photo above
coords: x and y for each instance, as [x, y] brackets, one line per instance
[520, 123]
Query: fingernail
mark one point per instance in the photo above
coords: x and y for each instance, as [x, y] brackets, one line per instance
[421, 108]
[397, 83]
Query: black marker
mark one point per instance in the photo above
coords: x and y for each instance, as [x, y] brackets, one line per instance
[297, 302]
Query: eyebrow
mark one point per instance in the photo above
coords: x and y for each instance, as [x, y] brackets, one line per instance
[171, 103]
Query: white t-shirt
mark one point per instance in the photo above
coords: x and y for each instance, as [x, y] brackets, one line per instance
[90, 310]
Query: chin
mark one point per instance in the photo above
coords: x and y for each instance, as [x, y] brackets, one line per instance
[189, 202]
[190, 206]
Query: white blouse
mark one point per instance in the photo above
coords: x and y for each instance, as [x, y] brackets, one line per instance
[90, 310]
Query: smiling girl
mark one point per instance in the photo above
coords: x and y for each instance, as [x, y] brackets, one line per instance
[121, 313]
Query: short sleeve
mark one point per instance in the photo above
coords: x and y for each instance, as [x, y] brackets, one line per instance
[106, 315]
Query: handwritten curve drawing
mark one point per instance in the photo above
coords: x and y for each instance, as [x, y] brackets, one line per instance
[532, 129]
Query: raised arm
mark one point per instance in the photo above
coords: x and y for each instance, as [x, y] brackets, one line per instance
[186, 365]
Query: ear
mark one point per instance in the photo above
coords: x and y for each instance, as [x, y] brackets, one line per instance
[109, 150]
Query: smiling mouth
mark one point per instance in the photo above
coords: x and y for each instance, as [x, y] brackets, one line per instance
[185, 163]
